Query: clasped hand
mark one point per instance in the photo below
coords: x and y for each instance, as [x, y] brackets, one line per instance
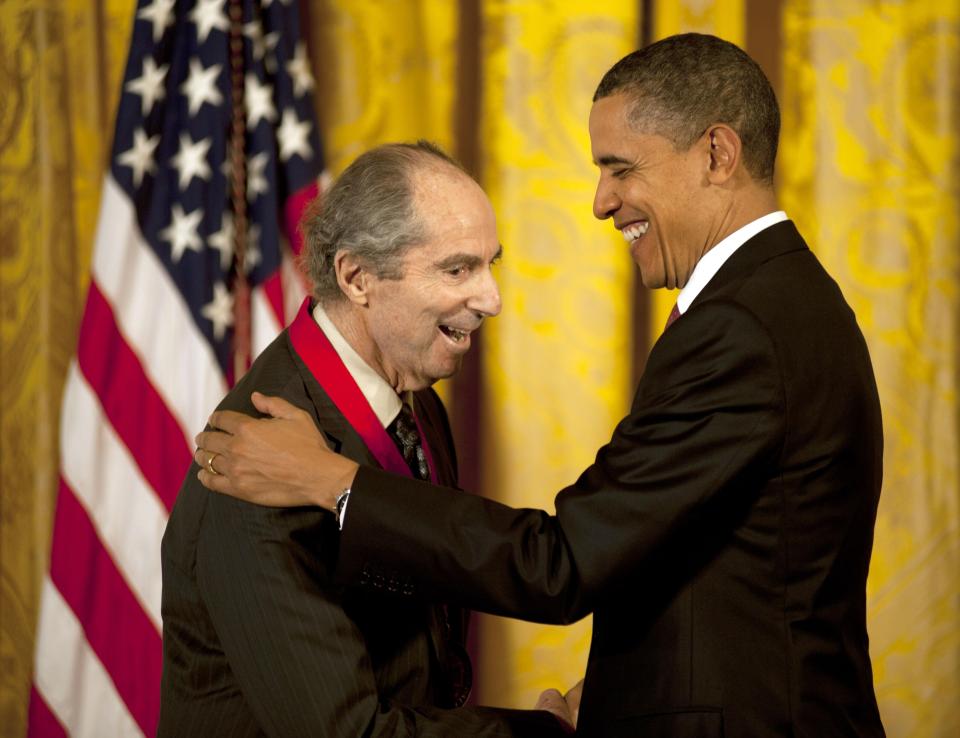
[565, 708]
[280, 461]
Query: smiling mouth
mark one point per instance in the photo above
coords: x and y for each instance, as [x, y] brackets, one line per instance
[635, 230]
[454, 334]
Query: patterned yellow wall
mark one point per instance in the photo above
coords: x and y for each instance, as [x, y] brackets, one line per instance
[557, 360]
[870, 169]
[387, 72]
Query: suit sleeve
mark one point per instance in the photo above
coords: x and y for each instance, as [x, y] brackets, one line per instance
[707, 418]
[300, 661]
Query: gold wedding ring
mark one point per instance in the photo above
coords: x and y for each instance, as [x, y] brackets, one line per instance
[210, 464]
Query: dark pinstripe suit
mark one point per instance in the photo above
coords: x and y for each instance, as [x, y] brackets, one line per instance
[257, 640]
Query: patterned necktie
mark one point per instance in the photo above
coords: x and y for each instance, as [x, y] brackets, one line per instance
[671, 319]
[405, 434]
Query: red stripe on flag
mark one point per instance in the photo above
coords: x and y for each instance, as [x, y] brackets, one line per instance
[272, 287]
[116, 627]
[41, 722]
[293, 210]
[135, 409]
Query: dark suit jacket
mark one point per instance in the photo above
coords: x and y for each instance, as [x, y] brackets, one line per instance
[257, 639]
[722, 538]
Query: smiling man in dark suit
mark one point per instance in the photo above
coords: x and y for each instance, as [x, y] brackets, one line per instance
[257, 638]
[722, 537]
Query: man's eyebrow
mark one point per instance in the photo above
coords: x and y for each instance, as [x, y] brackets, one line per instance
[610, 160]
[464, 259]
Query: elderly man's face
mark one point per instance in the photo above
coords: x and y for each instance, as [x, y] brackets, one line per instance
[421, 324]
[657, 196]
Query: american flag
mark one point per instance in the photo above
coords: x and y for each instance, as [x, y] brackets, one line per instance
[156, 344]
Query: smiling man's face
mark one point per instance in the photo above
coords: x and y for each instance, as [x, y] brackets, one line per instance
[656, 195]
[421, 324]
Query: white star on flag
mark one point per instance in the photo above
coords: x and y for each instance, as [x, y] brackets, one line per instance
[159, 13]
[222, 240]
[299, 70]
[259, 101]
[219, 310]
[139, 157]
[209, 15]
[149, 85]
[262, 45]
[257, 183]
[253, 256]
[293, 134]
[191, 159]
[201, 85]
[181, 234]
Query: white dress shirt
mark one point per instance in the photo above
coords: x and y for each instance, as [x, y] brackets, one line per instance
[384, 401]
[715, 258]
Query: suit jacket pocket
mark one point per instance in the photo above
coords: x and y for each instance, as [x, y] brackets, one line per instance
[687, 722]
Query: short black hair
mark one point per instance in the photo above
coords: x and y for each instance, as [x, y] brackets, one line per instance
[682, 85]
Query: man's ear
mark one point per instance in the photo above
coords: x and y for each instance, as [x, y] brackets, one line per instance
[725, 152]
[353, 276]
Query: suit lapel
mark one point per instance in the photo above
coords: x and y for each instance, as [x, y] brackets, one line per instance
[341, 435]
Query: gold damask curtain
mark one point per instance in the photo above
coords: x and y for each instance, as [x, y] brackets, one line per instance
[61, 63]
[868, 169]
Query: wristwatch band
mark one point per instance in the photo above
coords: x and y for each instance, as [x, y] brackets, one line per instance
[340, 507]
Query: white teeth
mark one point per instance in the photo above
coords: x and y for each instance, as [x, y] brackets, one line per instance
[633, 232]
[453, 334]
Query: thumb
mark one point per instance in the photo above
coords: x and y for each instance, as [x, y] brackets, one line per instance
[276, 407]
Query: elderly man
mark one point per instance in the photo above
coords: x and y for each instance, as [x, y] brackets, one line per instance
[723, 536]
[257, 639]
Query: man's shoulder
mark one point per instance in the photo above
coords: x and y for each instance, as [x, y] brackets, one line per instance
[274, 372]
[198, 511]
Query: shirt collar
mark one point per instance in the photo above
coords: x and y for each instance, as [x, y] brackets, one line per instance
[383, 400]
[715, 258]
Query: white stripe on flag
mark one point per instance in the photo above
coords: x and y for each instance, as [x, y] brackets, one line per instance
[71, 678]
[295, 286]
[125, 510]
[263, 322]
[153, 317]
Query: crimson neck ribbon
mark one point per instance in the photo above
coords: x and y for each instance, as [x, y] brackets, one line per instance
[328, 369]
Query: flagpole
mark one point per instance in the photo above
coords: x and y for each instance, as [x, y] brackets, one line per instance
[238, 196]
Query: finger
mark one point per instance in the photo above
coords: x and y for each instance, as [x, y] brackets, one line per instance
[551, 701]
[276, 407]
[572, 698]
[215, 482]
[202, 457]
[574, 692]
[548, 698]
[228, 420]
[212, 442]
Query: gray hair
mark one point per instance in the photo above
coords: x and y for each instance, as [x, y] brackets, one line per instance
[682, 85]
[370, 212]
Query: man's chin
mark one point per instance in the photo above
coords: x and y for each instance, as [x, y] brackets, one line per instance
[651, 280]
[445, 369]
